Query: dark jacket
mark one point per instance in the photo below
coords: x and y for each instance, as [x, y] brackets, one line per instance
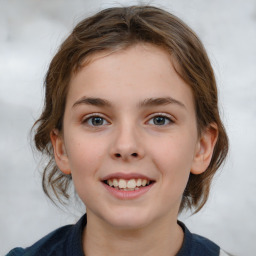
[67, 241]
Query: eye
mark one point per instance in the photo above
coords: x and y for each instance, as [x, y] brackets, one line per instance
[95, 121]
[160, 120]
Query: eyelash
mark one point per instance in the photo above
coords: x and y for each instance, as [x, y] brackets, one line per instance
[90, 118]
[165, 116]
[157, 115]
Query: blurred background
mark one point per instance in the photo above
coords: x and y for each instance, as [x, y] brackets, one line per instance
[30, 33]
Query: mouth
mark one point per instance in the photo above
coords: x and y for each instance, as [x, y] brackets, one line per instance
[128, 185]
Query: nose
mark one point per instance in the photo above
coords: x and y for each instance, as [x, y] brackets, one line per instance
[127, 144]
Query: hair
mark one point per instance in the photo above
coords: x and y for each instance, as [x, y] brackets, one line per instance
[118, 28]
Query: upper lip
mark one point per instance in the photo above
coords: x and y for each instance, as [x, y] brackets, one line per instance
[126, 176]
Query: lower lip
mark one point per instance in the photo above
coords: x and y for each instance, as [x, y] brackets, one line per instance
[126, 195]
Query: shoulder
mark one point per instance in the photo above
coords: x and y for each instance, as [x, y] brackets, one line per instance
[196, 245]
[204, 245]
[223, 253]
[16, 252]
[207, 245]
[52, 242]
[63, 241]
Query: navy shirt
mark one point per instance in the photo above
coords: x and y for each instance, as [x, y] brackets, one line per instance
[67, 241]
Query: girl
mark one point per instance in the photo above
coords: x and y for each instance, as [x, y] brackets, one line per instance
[131, 119]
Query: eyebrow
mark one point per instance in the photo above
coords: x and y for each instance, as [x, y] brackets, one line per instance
[99, 102]
[160, 101]
[92, 101]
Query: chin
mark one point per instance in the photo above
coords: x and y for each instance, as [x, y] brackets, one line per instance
[129, 220]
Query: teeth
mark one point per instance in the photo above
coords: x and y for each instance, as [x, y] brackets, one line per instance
[144, 183]
[115, 183]
[128, 185]
[138, 183]
[131, 183]
[122, 183]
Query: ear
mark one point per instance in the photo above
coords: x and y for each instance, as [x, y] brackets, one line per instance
[204, 149]
[60, 154]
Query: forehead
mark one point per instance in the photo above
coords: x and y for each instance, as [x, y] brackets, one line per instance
[142, 70]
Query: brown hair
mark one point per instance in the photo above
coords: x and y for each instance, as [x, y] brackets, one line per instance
[118, 28]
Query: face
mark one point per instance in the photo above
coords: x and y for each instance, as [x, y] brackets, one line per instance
[130, 137]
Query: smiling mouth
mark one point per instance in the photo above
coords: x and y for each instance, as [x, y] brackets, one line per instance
[128, 185]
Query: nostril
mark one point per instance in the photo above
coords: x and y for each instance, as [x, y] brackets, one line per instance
[119, 155]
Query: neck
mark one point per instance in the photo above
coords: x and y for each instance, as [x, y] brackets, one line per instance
[162, 238]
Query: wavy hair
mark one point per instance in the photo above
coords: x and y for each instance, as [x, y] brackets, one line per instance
[118, 28]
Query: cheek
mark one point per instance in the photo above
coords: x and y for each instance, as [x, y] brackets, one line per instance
[173, 160]
[84, 154]
[85, 157]
[174, 157]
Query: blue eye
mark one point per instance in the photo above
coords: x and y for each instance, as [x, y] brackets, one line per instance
[160, 120]
[96, 121]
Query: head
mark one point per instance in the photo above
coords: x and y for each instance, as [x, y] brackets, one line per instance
[114, 30]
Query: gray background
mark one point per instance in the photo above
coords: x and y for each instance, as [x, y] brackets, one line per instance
[31, 31]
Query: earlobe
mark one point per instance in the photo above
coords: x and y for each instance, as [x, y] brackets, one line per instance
[60, 155]
[205, 148]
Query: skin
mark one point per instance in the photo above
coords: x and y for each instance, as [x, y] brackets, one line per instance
[129, 140]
